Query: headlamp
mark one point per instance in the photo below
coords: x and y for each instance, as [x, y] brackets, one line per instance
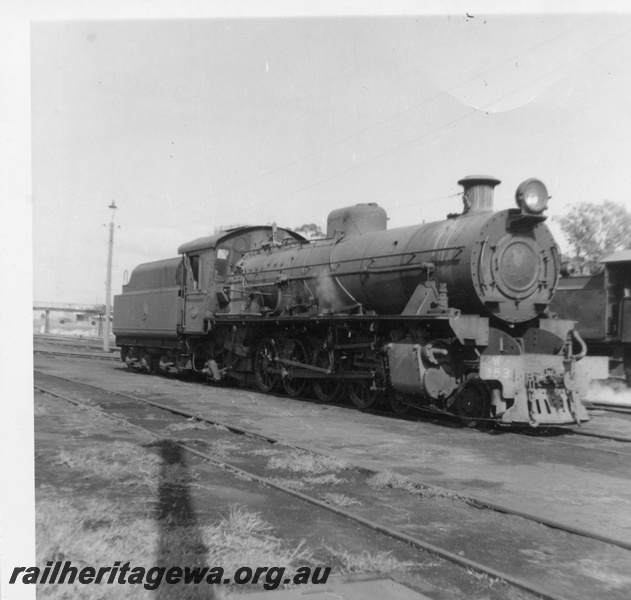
[532, 196]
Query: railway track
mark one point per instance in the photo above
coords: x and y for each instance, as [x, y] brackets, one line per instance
[472, 500]
[89, 356]
[427, 414]
[72, 340]
[608, 407]
[111, 401]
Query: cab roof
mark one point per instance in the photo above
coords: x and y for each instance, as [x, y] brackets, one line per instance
[212, 241]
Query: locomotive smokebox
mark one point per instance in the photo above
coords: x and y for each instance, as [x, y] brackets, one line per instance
[478, 193]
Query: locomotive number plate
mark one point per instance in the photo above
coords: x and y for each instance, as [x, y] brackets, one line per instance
[509, 370]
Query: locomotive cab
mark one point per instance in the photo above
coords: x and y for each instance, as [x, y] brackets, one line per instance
[211, 263]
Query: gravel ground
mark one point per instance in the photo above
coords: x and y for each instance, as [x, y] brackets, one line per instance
[106, 493]
[568, 565]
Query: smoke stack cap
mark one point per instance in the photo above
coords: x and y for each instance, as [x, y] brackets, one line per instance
[478, 192]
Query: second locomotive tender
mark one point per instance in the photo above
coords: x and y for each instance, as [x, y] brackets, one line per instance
[450, 315]
[601, 305]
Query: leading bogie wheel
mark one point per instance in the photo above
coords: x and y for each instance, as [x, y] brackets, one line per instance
[398, 403]
[473, 403]
[362, 394]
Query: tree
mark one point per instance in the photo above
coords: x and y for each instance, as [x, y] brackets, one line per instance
[593, 231]
[311, 231]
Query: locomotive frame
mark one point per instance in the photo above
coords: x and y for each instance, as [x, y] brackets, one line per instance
[450, 315]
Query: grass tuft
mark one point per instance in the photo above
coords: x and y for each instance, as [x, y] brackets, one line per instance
[176, 475]
[390, 479]
[340, 500]
[292, 484]
[223, 447]
[112, 462]
[244, 538]
[305, 462]
[329, 479]
[189, 424]
[266, 452]
[100, 532]
[382, 562]
[483, 577]
[92, 532]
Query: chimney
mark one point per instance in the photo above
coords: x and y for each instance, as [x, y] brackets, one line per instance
[478, 193]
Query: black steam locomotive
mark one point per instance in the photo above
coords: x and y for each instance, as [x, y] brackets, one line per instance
[601, 305]
[450, 315]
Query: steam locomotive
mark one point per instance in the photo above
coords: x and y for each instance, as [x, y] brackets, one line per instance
[601, 305]
[451, 316]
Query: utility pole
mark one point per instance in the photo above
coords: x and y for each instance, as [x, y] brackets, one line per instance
[108, 283]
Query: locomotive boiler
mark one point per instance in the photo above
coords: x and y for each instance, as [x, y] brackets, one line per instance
[450, 316]
[503, 265]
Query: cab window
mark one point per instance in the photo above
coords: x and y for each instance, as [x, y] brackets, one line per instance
[221, 263]
[194, 271]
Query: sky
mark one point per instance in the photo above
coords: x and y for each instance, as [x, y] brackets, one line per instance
[190, 124]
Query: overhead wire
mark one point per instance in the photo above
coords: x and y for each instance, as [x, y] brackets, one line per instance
[435, 130]
[563, 66]
[370, 128]
[282, 197]
[277, 199]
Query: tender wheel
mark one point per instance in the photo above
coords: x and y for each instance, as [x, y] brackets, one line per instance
[153, 363]
[398, 403]
[326, 390]
[473, 403]
[361, 394]
[125, 353]
[295, 387]
[266, 374]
